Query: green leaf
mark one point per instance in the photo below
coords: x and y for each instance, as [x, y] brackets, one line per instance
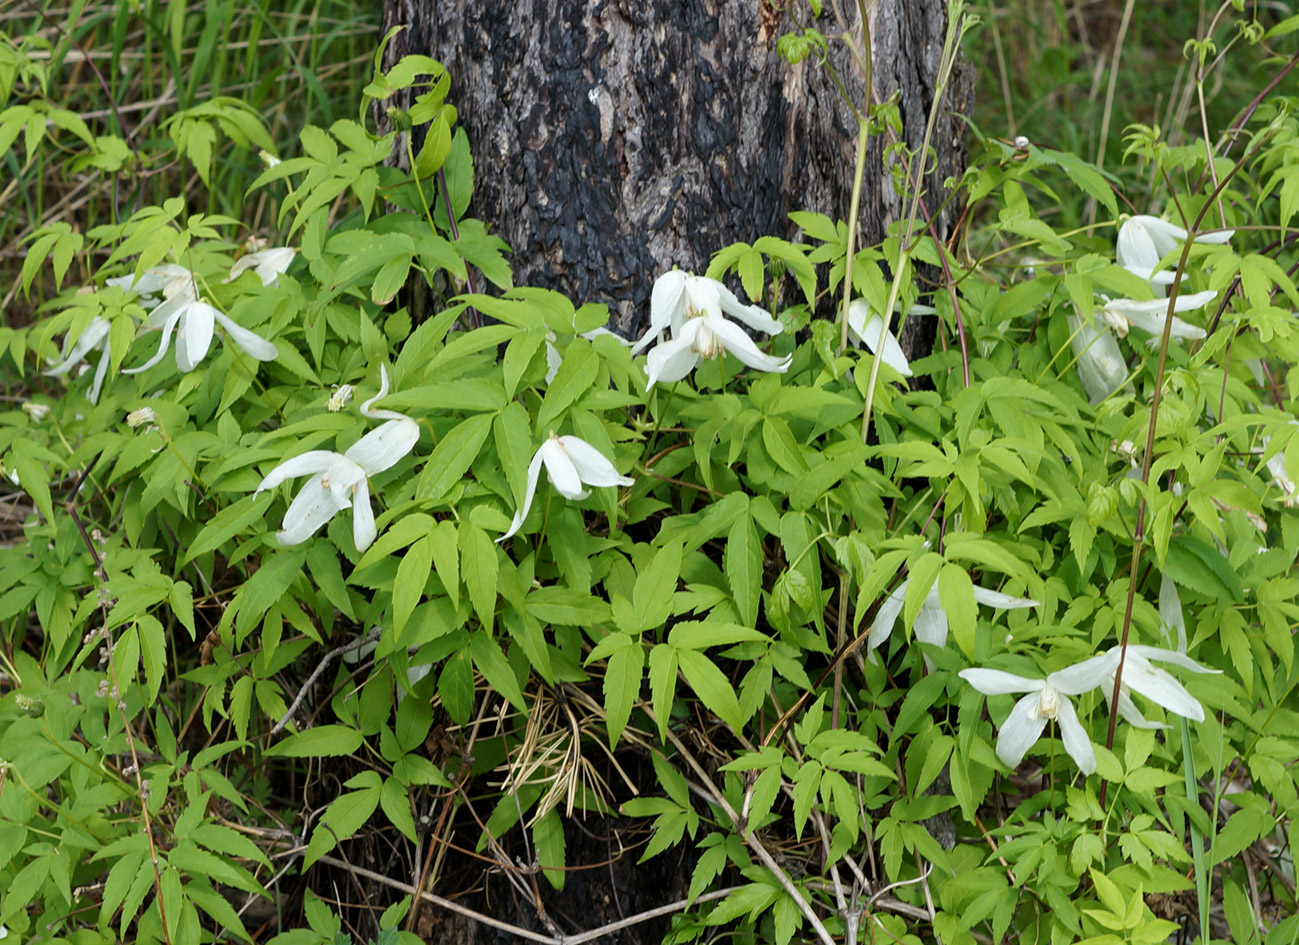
[548, 835]
[496, 669]
[712, 687]
[655, 585]
[751, 273]
[391, 277]
[396, 806]
[663, 684]
[920, 581]
[565, 606]
[512, 430]
[743, 561]
[446, 559]
[478, 564]
[25, 459]
[408, 588]
[225, 525]
[452, 457]
[956, 595]
[1195, 564]
[456, 687]
[622, 680]
[266, 587]
[323, 741]
[573, 379]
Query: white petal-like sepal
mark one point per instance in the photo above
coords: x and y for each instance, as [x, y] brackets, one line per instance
[864, 326]
[1022, 728]
[1084, 676]
[995, 682]
[93, 334]
[251, 342]
[267, 263]
[1002, 601]
[563, 474]
[591, 464]
[384, 446]
[757, 318]
[673, 360]
[194, 335]
[667, 304]
[886, 616]
[1075, 738]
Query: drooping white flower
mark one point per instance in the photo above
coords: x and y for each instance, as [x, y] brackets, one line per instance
[192, 319]
[931, 620]
[1046, 700]
[94, 337]
[692, 307]
[1100, 362]
[1142, 676]
[679, 296]
[339, 481]
[864, 327]
[1149, 315]
[570, 463]
[1144, 240]
[267, 263]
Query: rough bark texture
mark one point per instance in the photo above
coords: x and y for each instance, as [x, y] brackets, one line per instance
[614, 139]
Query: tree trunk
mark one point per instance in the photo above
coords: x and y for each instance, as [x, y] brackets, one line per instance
[615, 139]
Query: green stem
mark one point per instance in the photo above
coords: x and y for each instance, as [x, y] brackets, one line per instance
[1197, 841]
[863, 134]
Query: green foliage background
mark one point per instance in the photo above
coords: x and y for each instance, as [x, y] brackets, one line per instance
[195, 718]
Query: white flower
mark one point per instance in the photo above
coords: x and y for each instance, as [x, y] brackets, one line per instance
[192, 319]
[1140, 675]
[339, 480]
[679, 296]
[138, 418]
[1149, 315]
[37, 412]
[339, 398]
[269, 159]
[864, 326]
[692, 307]
[1046, 700]
[95, 336]
[267, 263]
[570, 462]
[152, 281]
[1100, 363]
[1144, 240]
[931, 620]
[1280, 478]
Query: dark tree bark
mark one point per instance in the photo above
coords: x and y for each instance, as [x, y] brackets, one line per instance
[614, 139]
